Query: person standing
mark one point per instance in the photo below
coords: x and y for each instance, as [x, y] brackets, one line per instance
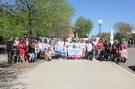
[45, 47]
[52, 42]
[10, 50]
[22, 48]
[37, 50]
[27, 44]
[60, 47]
[88, 49]
[107, 45]
[39, 46]
[15, 50]
[116, 44]
[94, 42]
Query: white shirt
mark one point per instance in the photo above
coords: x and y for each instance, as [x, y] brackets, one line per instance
[77, 45]
[89, 47]
[70, 45]
[45, 46]
[60, 43]
[37, 48]
[83, 45]
[95, 43]
[67, 44]
[16, 43]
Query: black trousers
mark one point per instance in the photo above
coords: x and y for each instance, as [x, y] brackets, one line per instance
[10, 57]
[123, 60]
[38, 55]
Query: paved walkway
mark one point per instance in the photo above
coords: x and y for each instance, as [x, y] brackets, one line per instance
[78, 74]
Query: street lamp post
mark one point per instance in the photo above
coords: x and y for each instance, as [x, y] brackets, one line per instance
[100, 23]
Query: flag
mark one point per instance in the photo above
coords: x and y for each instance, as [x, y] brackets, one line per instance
[89, 36]
[111, 37]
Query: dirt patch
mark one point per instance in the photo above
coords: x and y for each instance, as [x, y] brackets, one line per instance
[22, 65]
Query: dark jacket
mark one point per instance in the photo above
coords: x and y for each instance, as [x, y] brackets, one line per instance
[107, 45]
[114, 44]
[31, 49]
[116, 55]
[94, 52]
[103, 53]
[113, 51]
[10, 46]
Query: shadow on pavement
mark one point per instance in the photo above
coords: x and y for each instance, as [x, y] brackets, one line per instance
[7, 78]
[5, 65]
[132, 68]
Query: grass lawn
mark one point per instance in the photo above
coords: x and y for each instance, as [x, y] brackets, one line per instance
[2, 46]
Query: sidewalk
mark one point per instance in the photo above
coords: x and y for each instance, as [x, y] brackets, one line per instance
[78, 74]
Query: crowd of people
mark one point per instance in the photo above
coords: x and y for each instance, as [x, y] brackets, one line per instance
[28, 50]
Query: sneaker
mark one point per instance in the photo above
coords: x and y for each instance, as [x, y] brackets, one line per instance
[18, 63]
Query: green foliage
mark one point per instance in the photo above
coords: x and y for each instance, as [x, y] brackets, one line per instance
[123, 30]
[36, 17]
[83, 26]
[105, 35]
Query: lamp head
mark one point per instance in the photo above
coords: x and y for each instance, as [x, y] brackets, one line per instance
[100, 21]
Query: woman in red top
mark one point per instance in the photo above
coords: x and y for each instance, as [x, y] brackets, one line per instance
[22, 48]
[100, 43]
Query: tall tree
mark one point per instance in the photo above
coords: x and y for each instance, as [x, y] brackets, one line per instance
[123, 30]
[105, 35]
[83, 26]
[37, 17]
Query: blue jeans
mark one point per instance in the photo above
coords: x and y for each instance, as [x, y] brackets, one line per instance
[31, 57]
[35, 56]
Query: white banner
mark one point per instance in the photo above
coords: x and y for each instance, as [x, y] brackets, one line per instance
[74, 53]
